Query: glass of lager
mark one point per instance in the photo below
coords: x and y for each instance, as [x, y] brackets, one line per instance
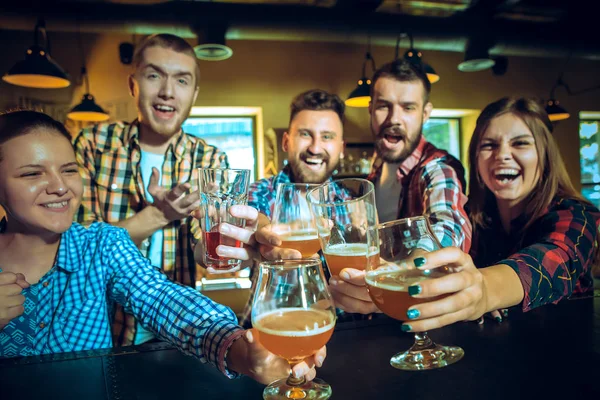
[293, 315]
[346, 218]
[402, 241]
[292, 220]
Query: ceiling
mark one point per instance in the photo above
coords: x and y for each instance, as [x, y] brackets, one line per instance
[548, 28]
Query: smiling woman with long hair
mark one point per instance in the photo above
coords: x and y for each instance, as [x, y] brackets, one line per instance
[535, 238]
[58, 279]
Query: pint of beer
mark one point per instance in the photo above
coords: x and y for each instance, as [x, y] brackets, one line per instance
[306, 241]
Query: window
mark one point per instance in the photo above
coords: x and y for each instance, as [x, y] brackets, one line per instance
[589, 140]
[232, 135]
[444, 133]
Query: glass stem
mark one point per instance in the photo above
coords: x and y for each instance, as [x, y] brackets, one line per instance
[422, 342]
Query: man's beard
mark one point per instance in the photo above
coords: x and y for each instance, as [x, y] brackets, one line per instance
[409, 145]
[302, 174]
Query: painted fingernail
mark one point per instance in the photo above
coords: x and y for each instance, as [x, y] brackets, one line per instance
[414, 290]
[498, 319]
[480, 321]
[505, 313]
[413, 313]
[406, 328]
[420, 261]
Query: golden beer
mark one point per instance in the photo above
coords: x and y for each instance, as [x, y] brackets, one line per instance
[389, 290]
[349, 255]
[294, 333]
[305, 241]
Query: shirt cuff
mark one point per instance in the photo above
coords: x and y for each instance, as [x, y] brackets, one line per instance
[223, 333]
[524, 273]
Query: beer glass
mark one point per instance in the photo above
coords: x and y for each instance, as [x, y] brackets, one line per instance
[292, 220]
[294, 316]
[346, 219]
[219, 190]
[402, 241]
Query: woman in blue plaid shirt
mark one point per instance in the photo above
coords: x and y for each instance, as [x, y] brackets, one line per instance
[57, 277]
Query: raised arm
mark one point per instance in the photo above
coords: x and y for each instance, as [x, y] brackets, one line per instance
[444, 203]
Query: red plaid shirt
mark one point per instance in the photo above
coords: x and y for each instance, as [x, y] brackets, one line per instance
[553, 258]
[433, 184]
[113, 190]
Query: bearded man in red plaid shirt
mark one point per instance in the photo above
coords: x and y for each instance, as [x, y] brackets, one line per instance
[425, 180]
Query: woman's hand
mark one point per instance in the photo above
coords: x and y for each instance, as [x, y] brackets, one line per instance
[465, 289]
[247, 356]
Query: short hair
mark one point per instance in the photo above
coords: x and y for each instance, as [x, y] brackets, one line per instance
[166, 41]
[317, 100]
[21, 122]
[404, 71]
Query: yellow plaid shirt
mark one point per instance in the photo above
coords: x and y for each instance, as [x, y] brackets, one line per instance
[109, 159]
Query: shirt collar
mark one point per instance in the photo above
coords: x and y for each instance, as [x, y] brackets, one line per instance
[67, 257]
[179, 145]
[413, 159]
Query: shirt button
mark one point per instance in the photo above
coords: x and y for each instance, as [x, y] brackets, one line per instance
[42, 325]
[46, 284]
[113, 186]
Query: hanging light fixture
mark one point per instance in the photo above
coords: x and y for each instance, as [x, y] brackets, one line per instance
[415, 57]
[211, 43]
[361, 95]
[87, 110]
[477, 56]
[38, 69]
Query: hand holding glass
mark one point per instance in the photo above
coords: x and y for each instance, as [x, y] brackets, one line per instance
[388, 284]
[219, 190]
[294, 316]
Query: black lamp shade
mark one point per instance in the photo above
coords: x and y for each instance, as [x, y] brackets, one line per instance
[476, 59]
[37, 70]
[414, 56]
[88, 111]
[361, 95]
[211, 43]
[555, 111]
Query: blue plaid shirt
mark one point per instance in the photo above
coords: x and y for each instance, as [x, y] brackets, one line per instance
[261, 194]
[68, 309]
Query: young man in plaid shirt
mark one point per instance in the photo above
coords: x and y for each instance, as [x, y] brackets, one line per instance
[425, 180]
[139, 175]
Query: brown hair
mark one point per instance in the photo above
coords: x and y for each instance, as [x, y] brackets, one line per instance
[553, 178]
[21, 122]
[317, 100]
[166, 41]
[403, 71]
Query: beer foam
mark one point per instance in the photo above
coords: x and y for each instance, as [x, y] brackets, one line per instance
[349, 249]
[298, 235]
[397, 280]
[295, 333]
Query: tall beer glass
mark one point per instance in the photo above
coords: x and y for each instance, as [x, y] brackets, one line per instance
[346, 218]
[292, 219]
[294, 316]
[219, 190]
[401, 241]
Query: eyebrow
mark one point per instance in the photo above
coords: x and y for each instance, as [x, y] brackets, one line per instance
[70, 164]
[523, 136]
[162, 71]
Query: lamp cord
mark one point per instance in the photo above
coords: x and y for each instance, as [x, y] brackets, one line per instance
[81, 51]
[368, 57]
[40, 28]
[560, 82]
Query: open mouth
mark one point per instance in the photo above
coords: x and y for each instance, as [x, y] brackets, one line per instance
[506, 175]
[163, 110]
[57, 206]
[314, 163]
[392, 139]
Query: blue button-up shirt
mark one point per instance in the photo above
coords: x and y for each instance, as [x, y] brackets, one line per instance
[68, 309]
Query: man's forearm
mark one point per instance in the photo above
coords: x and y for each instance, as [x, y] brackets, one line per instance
[143, 224]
